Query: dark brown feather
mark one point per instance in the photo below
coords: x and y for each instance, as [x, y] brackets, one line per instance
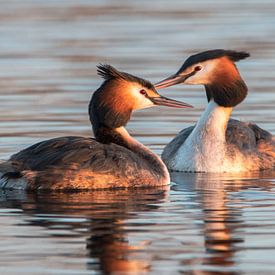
[80, 163]
[108, 72]
[212, 54]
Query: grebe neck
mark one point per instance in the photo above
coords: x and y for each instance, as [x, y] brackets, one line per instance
[205, 148]
[214, 120]
[121, 137]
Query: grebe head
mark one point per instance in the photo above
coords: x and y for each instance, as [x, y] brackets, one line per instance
[122, 93]
[216, 70]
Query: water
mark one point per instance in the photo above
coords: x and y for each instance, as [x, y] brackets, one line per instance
[202, 224]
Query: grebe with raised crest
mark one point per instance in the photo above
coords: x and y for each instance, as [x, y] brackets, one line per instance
[112, 160]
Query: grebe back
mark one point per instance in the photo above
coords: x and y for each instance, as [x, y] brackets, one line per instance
[217, 143]
[112, 160]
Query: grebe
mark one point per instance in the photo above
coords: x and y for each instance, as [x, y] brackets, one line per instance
[217, 143]
[113, 159]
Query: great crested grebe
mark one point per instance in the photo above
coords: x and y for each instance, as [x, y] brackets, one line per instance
[217, 143]
[113, 159]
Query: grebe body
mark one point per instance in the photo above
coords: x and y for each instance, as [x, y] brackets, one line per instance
[217, 143]
[113, 159]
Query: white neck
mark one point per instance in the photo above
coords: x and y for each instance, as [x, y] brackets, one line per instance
[213, 121]
[152, 159]
[205, 148]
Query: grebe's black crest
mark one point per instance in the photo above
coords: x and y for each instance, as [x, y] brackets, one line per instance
[108, 72]
[106, 109]
[212, 54]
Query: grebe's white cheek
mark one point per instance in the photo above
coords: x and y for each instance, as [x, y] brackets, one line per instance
[208, 71]
[191, 80]
[141, 101]
[204, 76]
[145, 103]
[196, 79]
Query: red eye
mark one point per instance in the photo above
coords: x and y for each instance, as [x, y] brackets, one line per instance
[143, 92]
[197, 68]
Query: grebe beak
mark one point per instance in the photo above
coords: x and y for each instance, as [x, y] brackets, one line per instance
[173, 80]
[164, 101]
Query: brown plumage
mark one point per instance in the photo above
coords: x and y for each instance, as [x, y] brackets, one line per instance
[112, 160]
[217, 143]
[77, 162]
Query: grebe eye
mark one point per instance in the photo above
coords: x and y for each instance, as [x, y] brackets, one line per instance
[143, 92]
[198, 68]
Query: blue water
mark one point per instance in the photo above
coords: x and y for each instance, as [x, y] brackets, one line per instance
[201, 224]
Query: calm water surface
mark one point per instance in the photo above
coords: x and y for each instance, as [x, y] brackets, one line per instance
[201, 224]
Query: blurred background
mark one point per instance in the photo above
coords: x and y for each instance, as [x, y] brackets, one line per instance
[204, 224]
[49, 51]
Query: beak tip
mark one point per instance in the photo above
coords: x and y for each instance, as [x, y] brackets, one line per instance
[186, 106]
[167, 82]
[164, 101]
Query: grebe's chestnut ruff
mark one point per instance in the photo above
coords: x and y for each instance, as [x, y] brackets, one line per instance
[112, 160]
[217, 143]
